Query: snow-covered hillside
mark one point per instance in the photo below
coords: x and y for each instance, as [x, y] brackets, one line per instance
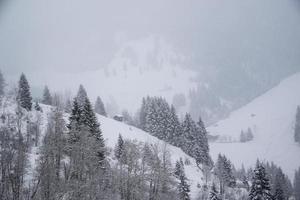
[271, 118]
[111, 130]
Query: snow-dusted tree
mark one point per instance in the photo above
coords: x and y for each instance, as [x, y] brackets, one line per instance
[127, 118]
[297, 184]
[202, 149]
[279, 192]
[47, 98]
[2, 85]
[119, 149]
[297, 126]
[14, 145]
[86, 152]
[89, 120]
[213, 194]
[260, 189]
[81, 96]
[246, 136]
[99, 107]
[52, 152]
[183, 186]
[243, 137]
[74, 122]
[174, 131]
[37, 106]
[224, 172]
[189, 131]
[24, 96]
[278, 180]
[249, 134]
[68, 106]
[143, 113]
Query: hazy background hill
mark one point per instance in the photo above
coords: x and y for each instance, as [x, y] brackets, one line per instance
[239, 49]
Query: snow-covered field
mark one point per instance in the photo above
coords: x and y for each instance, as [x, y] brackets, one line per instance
[271, 118]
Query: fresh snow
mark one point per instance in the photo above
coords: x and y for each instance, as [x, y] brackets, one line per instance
[111, 130]
[271, 118]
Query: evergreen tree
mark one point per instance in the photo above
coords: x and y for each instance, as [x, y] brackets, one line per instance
[260, 189]
[47, 98]
[81, 96]
[279, 193]
[99, 107]
[202, 149]
[224, 172]
[89, 120]
[183, 186]
[86, 151]
[37, 106]
[74, 121]
[50, 165]
[173, 130]
[297, 184]
[189, 130]
[297, 126]
[243, 137]
[2, 85]
[143, 113]
[249, 134]
[119, 149]
[68, 106]
[213, 195]
[24, 96]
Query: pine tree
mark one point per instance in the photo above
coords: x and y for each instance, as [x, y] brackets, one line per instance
[224, 172]
[119, 149]
[279, 193]
[24, 96]
[183, 186]
[178, 168]
[2, 85]
[297, 184]
[37, 106]
[202, 155]
[260, 189]
[81, 96]
[297, 126]
[47, 98]
[173, 129]
[213, 195]
[68, 106]
[249, 134]
[89, 120]
[143, 113]
[189, 130]
[99, 107]
[243, 137]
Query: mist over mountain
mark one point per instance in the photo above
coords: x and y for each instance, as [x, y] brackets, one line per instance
[237, 49]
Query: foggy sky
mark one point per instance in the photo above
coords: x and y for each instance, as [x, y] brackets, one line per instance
[80, 35]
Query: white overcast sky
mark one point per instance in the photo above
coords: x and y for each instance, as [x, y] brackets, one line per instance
[78, 35]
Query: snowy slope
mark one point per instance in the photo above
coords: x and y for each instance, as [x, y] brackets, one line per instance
[111, 130]
[271, 118]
